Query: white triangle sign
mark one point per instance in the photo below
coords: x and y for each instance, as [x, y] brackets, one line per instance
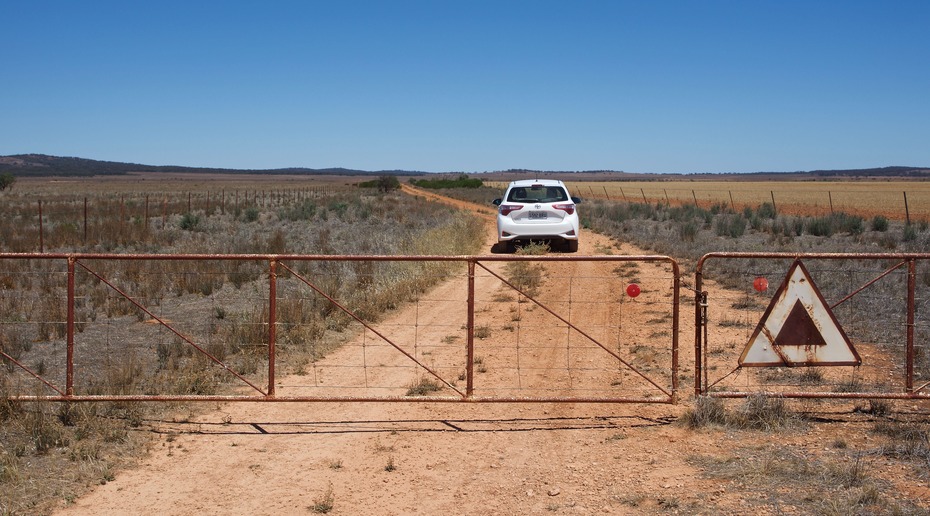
[798, 329]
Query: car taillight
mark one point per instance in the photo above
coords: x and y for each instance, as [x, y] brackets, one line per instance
[507, 208]
[567, 208]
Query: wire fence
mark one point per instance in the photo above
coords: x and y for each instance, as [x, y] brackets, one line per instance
[87, 327]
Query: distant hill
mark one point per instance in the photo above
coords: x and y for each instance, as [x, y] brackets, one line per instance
[26, 165]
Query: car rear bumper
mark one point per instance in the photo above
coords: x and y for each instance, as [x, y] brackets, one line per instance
[507, 230]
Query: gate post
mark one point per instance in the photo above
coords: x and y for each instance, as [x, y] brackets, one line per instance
[700, 305]
[911, 287]
[69, 374]
[272, 305]
[470, 331]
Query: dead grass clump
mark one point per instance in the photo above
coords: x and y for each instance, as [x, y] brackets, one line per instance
[707, 411]
[423, 386]
[910, 441]
[525, 276]
[800, 481]
[757, 412]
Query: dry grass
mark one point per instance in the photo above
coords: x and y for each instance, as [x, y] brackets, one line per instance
[221, 306]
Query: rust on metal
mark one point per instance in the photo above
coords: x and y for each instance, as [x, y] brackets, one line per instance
[806, 336]
[798, 328]
[276, 261]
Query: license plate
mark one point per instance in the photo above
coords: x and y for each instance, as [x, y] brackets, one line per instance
[537, 215]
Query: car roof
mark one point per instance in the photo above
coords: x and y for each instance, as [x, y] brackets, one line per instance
[531, 182]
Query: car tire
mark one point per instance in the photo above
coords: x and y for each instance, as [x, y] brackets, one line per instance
[570, 246]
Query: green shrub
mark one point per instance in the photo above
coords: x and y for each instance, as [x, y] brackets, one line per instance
[879, 223]
[820, 226]
[732, 226]
[189, 221]
[250, 214]
[766, 210]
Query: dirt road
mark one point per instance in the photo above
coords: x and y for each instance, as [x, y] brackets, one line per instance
[409, 458]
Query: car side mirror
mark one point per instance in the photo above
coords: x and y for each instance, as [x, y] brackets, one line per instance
[576, 200]
[497, 202]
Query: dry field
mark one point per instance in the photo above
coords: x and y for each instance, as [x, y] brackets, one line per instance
[864, 198]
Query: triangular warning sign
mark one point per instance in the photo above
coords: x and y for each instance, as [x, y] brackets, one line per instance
[798, 329]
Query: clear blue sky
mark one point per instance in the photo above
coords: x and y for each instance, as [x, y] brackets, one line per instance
[470, 85]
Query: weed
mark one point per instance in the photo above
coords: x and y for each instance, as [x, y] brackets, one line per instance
[423, 386]
[324, 503]
[879, 223]
[758, 412]
[811, 376]
[707, 411]
[390, 465]
[483, 331]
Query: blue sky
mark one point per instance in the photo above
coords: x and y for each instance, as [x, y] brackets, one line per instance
[472, 85]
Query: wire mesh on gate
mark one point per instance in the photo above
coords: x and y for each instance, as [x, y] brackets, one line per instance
[877, 301]
[314, 328]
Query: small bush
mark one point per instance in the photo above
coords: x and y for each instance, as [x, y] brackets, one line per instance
[189, 221]
[820, 226]
[879, 223]
[766, 210]
[732, 226]
[250, 214]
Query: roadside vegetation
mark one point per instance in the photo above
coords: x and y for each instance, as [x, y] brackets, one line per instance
[462, 181]
[51, 452]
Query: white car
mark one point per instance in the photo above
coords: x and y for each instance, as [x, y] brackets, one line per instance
[535, 210]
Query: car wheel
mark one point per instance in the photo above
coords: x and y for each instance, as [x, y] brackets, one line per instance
[571, 246]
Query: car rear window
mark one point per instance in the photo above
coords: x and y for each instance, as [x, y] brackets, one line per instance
[537, 194]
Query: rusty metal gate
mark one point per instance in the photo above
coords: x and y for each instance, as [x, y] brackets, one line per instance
[108, 327]
[809, 325]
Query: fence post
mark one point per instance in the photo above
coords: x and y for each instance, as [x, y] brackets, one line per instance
[69, 368]
[470, 332]
[272, 320]
[695, 198]
[911, 287]
[607, 195]
[732, 204]
[623, 194]
[41, 230]
[830, 194]
[907, 212]
[146, 212]
[644, 196]
[774, 209]
[85, 221]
